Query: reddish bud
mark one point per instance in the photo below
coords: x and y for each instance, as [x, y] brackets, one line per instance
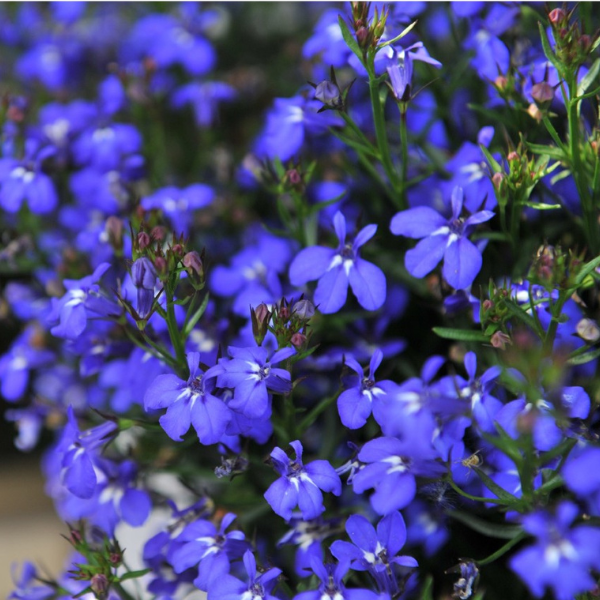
[284, 312]
[293, 177]
[488, 304]
[114, 232]
[143, 240]
[99, 584]
[177, 249]
[542, 92]
[362, 36]
[160, 265]
[557, 16]
[499, 340]
[497, 179]
[193, 263]
[158, 233]
[298, 340]
[513, 156]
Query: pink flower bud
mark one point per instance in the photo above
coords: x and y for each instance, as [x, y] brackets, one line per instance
[499, 340]
[143, 240]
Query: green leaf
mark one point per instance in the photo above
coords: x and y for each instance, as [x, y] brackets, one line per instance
[319, 206]
[196, 316]
[358, 146]
[427, 590]
[581, 359]
[547, 49]
[463, 335]
[496, 530]
[586, 81]
[517, 311]
[586, 270]
[553, 133]
[398, 37]
[134, 574]
[550, 151]
[350, 39]
[541, 205]
[505, 444]
[499, 491]
[87, 590]
[493, 162]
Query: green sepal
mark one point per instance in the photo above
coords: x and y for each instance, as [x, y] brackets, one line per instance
[462, 335]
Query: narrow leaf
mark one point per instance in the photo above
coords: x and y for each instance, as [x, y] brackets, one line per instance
[350, 39]
[398, 37]
[550, 151]
[463, 335]
[581, 359]
[546, 47]
[541, 205]
[196, 316]
[134, 574]
[589, 267]
[493, 162]
[590, 76]
[499, 491]
[496, 530]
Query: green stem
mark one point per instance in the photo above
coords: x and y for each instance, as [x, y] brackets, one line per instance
[502, 551]
[403, 204]
[589, 214]
[470, 497]
[176, 340]
[555, 311]
[379, 121]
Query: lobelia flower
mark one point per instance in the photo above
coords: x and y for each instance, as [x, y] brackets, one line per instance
[335, 269]
[143, 275]
[229, 587]
[253, 376]
[562, 557]
[391, 468]
[355, 404]
[82, 301]
[372, 550]
[202, 543]
[204, 98]
[300, 485]
[189, 402]
[332, 583]
[442, 238]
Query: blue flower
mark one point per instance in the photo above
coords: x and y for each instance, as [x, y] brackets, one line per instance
[229, 587]
[252, 376]
[335, 269]
[204, 98]
[355, 404]
[189, 402]
[202, 543]
[300, 485]
[442, 238]
[81, 302]
[372, 550]
[332, 584]
[562, 557]
[143, 275]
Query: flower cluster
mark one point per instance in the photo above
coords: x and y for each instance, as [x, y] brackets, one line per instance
[179, 232]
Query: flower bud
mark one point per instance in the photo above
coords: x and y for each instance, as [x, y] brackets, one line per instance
[328, 93]
[99, 584]
[158, 233]
[512, 156]
[114, 232]
[298, 340]
[534, 112]
[362, 37]
[303, 309]
[193, 263]
[293, 177]
[143, 240]
[542, 92]
[497, 180]
[160, 264]
[499, 340]
[143, 274]
[260, 317]
[588, 330]
[557, 16]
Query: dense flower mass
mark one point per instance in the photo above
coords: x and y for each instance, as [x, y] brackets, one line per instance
[188, 192]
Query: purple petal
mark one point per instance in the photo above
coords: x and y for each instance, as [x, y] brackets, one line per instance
[391, 532]
[135, 506]
[251, 398]
[425, 256]
[324, 476]
[310, 264]
[375, 362]
[339, 224]
[310, 500]
[163, 392]
[394, 492]
[417, 222]
[177, 420]
[80, 478]
[457, 202]
[479, 217]
[363, 236]
[368, 284]
[361, 533]
[283, 497]
[210, 418]
[332, 290]
[462, 262]
[354, 408]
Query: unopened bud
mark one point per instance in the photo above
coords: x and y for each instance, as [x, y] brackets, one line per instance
[557, 16]
[362, 36]
[501, 82]
[158, 233]
[298, 340]
[588, 330]
[260, 317]
[143, 274]
[177, 249]
[114, 232]
[585, 43]
[542, 92]
[143, 240]
[160, 264]
[293, 177]
[512, 156]
[499, 340]
[327, 93]
[193, 263]
[99, 584]
[284, 312]
[303, 309]
[488, 304]
[497, 179]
